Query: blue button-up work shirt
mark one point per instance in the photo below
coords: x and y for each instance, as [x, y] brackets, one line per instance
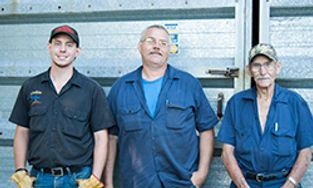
[288, 129]
[159, 151]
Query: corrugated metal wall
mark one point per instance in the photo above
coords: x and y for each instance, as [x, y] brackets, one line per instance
[212, 34]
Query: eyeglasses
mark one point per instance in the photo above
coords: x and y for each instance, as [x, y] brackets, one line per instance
[153, 41]
[269, 65]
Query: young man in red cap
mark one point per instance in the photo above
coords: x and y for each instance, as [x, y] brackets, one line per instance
[62, 119]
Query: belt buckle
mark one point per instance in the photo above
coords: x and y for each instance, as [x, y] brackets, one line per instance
[58, 171]
[259, 177]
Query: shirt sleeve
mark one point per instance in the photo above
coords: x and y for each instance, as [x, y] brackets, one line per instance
[114, 130]
[205, 116]
[226, 133]
[101, 115]
[19, 114]
[304, 134]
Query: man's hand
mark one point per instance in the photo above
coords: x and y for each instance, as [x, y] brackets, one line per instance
[91, 182]
[243, 183]
[22, 179]
[198, 178]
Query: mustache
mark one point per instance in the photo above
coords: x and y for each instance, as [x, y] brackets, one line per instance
[262, 78]
[156, 52]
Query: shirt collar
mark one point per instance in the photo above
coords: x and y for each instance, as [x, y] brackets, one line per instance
[45, 76]
[75, 80]
[279, 95]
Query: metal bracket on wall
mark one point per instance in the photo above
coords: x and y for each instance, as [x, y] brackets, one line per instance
[228, 72]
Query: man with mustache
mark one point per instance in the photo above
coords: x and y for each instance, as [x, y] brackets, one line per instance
[62, 118]
[267, 130]
[164, 122]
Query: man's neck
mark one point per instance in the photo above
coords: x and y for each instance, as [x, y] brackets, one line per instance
[153, 73]
[60, 76]
[265, 93]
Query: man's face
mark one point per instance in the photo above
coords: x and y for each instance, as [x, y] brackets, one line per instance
[63, 51]
[154, 49]
[264, 71]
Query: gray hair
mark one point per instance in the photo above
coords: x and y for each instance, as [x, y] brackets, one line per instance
[144, 32]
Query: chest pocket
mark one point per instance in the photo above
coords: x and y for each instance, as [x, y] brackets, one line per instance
[284, 143]
[76, 123]
[179, 114]
[130, 118]
[37, 115]
[244, 142]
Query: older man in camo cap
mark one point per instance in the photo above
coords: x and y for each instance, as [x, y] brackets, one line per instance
[267, 130]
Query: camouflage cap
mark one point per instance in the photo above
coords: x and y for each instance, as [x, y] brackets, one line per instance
[263, 49]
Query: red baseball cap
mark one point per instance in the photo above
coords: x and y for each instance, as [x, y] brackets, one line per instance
[67, 30]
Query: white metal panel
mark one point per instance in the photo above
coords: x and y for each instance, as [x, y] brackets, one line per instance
[291, 3]
[61, 6]
[264, 21]
[109, 49]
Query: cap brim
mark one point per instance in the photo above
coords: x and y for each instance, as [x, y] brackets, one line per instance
[72, 36]
[266, 55]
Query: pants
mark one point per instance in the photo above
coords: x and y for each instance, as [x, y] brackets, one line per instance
[47, 180]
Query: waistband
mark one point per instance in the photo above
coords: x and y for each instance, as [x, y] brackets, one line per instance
[59, 171]
[261, 177]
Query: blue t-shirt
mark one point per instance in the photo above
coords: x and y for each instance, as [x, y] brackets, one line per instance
[152, 90]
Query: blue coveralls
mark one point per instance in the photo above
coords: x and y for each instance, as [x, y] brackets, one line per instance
[159, 151]
[288, 129]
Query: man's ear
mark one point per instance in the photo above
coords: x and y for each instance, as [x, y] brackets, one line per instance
[278, 67]
[247, 69]
[78, 50]
[139, 46]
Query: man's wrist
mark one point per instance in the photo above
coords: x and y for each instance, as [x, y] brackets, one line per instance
[293, 181]
[203, 172]
[95, 176]
[21, 169]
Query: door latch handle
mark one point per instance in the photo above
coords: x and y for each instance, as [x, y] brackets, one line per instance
[220, 100]
[228, 72]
